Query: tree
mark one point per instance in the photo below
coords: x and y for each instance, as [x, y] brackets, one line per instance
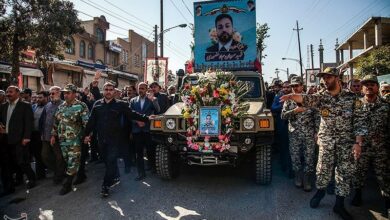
[43, 25]
[261, 35]
[378, 61]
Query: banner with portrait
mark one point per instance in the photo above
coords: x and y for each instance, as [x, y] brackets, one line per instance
[225, 35]
[311, 77]
[209, 121]
[156, 70]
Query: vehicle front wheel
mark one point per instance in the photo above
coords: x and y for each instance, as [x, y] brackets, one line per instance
[263, 166]
[167, 163]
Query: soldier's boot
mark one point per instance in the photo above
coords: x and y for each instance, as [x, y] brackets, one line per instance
[307, 182]
[298, 179]
[387, 207]
[67, 187]
[315, 201]
[80, 178]
[357, 199]
[340, 209]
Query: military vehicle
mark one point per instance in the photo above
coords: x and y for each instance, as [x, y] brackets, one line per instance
[251, 139]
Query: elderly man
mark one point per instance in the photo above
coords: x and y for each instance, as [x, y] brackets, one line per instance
[374, 150]
[51, 154]
[68, 129]
[385, 92]
[339, 137]
[16, 124]
[301, 128]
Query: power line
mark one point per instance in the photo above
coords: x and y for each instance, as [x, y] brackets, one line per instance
[185, 5]
[289, 43]
[179, 11]
[149, 25]
[114, 15]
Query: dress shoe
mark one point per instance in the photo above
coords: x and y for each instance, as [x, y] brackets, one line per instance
[140, 177]
[30, 184]
[315, 201]
[80, 179]
[7, 192]
[115, 182]
[104, 191]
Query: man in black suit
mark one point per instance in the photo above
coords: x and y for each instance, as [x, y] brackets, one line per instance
[227, 47]
[16, 118]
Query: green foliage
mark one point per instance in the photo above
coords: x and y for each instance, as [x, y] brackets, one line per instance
[42, 24]
[377, 62]
[261, 35]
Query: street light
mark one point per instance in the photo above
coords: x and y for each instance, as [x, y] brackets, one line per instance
[286, 71]
[296, 60]
[162, 38]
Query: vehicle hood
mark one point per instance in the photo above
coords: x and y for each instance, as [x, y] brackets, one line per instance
[175, 110]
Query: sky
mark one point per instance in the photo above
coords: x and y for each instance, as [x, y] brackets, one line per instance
[320, 19]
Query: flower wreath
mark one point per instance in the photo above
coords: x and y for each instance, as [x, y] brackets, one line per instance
[213, 89]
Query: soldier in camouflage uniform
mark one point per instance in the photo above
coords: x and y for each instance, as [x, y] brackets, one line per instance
[70, 120]
[301, 135]
[339, 137]
[374, 145]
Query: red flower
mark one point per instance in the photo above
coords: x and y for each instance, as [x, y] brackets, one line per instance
[216, 94]
[190, 121]
[227, 101]
[187, 86]
[192, 99]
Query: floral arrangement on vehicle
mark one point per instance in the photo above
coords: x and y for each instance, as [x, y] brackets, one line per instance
[219, 89]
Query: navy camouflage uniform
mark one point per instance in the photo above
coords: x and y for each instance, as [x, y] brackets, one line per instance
[69, 124]
[336, 136]
[374, 145]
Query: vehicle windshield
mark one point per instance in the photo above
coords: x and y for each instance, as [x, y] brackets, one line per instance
[254, 85]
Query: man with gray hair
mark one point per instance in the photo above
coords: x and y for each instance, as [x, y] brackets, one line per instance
[51, 154]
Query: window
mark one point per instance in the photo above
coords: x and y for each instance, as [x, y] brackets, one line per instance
[100, 35]
[69, 43]
[90, 52]
[82, 48]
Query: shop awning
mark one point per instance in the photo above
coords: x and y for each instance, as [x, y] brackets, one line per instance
[24, 70]
[125, 75]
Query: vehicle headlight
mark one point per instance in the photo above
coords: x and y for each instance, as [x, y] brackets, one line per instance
[249, 123]
[170, 124]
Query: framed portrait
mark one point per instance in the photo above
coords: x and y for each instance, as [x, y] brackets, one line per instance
[209, 121]
[311, 77]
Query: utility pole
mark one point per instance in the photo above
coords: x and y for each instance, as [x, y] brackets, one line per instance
[161, 29]
[312, 56]
[277, 73]
[299, 46]
[155, 50]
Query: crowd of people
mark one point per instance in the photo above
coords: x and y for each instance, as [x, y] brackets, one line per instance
[61, 128]
[330, 133]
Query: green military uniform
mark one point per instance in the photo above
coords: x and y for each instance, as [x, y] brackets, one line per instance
[69, 123]
[374, 147]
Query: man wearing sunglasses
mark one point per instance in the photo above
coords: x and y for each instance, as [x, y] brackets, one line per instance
[339, 137]
[301, 129]
[374, 146]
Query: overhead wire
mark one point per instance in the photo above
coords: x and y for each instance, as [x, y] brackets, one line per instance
[189, 11]
[179, 11]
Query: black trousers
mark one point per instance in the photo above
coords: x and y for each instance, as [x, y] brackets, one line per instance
[142, 140]
[109, 154]
[14, 155]
[36, 152]
[83, 159]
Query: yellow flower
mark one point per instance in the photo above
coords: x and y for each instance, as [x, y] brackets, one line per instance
[186, 115]
[194, 90]
[227, 111]
[223, 91]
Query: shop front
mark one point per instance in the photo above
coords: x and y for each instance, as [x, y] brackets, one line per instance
[29, 78]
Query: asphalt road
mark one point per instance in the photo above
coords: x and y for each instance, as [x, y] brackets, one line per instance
[199, 193]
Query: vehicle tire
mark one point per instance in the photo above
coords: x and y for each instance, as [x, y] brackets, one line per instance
[167, 163]
[263, 166]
